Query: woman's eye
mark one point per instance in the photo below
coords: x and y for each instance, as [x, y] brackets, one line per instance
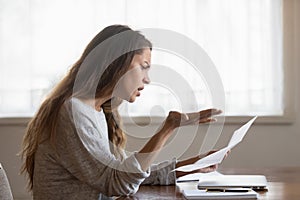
[145, 67]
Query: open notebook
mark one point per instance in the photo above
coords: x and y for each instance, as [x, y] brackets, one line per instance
[255, 182]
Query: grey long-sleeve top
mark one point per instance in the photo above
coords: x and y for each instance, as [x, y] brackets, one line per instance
[81, 165]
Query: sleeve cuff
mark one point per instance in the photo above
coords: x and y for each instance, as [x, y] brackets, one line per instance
[171, 177]
[136, 167]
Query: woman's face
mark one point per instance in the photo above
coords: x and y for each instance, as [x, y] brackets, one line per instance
[133, 81]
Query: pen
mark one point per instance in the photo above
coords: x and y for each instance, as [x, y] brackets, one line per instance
[228, 190]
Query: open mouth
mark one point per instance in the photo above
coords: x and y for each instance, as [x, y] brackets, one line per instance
[139, 89]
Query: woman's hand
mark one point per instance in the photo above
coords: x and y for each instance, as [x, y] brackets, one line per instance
[195, 159]
[176, 119]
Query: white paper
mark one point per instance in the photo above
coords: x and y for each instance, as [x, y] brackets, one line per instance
[217, 157]
[197, 176]
[239, 134]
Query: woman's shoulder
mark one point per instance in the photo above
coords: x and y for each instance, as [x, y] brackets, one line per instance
[80, 113]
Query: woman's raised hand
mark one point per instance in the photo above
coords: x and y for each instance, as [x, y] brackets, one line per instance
[176, 119]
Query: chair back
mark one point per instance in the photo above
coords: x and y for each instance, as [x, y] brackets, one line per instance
[5, 191]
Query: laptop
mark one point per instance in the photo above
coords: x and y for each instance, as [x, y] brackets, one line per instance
[254, 182]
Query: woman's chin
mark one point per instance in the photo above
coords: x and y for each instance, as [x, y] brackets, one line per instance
[132, 99]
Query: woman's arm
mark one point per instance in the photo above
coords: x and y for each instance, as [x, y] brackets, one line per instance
[149, 152]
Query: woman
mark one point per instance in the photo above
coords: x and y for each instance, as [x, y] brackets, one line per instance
[74, 145]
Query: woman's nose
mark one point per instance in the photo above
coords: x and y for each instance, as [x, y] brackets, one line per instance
[146, 79]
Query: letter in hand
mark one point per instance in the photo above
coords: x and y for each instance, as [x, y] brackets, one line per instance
[192, 161]
[178, 119]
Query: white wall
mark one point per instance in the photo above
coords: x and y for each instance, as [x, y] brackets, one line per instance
[264, 145]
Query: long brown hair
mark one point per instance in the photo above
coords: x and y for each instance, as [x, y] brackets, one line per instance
[106, 58]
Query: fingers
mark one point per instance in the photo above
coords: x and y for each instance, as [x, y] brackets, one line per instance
[207, 120]
[208, 169]
[195, 118]
[228, 152]
[209, 112]
[204, 114]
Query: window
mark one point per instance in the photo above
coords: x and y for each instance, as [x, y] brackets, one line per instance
[40, 40]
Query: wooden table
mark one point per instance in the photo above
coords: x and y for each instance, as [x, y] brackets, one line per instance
[283, 184]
